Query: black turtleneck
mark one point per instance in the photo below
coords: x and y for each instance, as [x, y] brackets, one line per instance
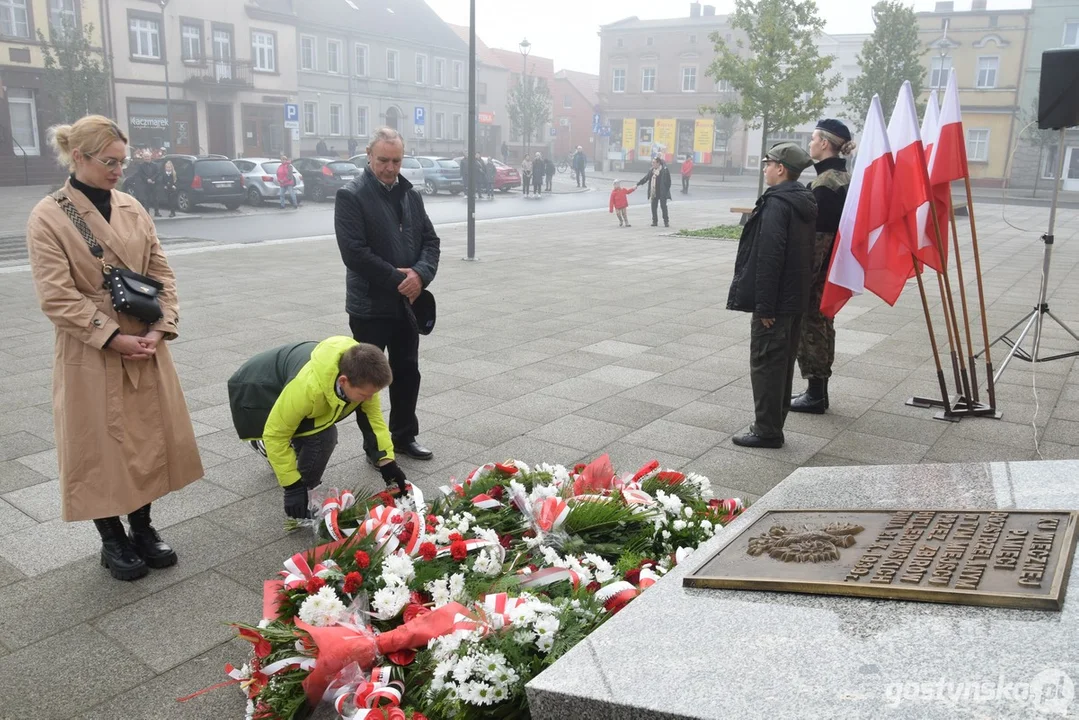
[829, 201]
[102, 199]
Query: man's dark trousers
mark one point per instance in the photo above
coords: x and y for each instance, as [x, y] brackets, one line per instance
[313, 454]
[773, 356]
[581, 181]
[403, 342]
[656, 204]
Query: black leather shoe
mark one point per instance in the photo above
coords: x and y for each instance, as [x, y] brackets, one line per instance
[151, 549]
[413, 450]
[751, 439]
[814, 400]
[118, 554]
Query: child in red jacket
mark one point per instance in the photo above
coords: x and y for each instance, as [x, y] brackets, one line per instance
[619, 202]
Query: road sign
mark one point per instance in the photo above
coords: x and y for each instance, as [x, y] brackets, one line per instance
[292, 116]
[417, 130]
[554, 132]
[605, 131]
[419, 116]
[595, 123]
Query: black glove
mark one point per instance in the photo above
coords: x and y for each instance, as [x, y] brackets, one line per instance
[393, 474]
[296, 500]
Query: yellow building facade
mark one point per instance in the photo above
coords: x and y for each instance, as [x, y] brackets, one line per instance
[987, 50]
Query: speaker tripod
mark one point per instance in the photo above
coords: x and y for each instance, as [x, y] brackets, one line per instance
[1036, 318]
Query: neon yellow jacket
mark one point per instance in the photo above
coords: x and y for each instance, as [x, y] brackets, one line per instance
[311, 396]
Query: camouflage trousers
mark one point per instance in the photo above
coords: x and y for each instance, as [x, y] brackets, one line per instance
[816, 346]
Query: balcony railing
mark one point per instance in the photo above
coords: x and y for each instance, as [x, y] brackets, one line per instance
[207, 73]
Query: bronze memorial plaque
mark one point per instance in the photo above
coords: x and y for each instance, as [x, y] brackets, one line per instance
[998, 558]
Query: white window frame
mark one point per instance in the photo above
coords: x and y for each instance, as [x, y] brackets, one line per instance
[312, 128]
[724, 86]
[364, 52]
[980, 144]
[440, 72]
[363, 120]
[650, 41]
[615, 77]
[58, 11]
[645, 86]
[422, 62]
[942, 67]
[457, 73]
[148, 30]
[263, 51]
[313, 66]
[440, 126]
[567, 102]
[333, 56]
[12, 11]
[186, 42]
[31, 103]
[456, 125]
[686, 76]
[995, 70]
[1071, 27]
[393, 63]
[340, 118]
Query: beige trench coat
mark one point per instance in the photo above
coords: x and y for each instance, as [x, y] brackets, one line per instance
[123, 432]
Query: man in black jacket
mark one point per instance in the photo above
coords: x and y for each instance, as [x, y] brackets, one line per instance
[771, 280]
[659, 189]
[391, 251]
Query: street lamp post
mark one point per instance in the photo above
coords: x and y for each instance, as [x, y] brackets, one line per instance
[470, 162]
[165, 60]
[526, 120]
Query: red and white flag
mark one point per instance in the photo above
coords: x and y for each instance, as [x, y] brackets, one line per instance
[941, 194]
[950, 150]
[864, 217]
[910, 193]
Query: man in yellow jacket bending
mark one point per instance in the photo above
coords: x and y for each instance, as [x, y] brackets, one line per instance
[287, 401]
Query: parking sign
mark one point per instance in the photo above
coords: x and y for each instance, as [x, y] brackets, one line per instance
[419, 116]
[292, 116]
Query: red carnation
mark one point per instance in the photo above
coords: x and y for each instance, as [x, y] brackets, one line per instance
[533, 567]
[496, 492]
[417, 597]
[652, 465]
[415, 610]
[418, 716]
[458, 550]
[353, 581]
[386, 499]
[646, 563]
[670, 477]
[314, 585]
[363, 559]
[433, 519]
[633, 576]
[456, 537]
[579, 467]
[593, 586]
[405, 536]
[506, 468]
[505, 541]
[428, 551]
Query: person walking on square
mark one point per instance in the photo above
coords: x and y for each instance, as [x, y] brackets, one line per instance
[549, 170]
[391, 252]
[539, 171]
[526, 175]
[287, 402]
[505, 153]
[816, 348]
[286, 180]
[687, 172]
[659, 190]
[491, 172]
[580, 162]
[168, 186]
[321, 149]
[123, 433]
[771, 280]
[620, 202]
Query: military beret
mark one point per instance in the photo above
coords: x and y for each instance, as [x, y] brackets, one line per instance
[835, 127]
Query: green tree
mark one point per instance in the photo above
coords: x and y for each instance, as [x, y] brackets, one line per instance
[890, 56]
[76, 74]
[783, 81]
[529, 107]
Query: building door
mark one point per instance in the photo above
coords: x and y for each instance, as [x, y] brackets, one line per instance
[222, 55]
[392, 118]
[264, 131]
[1071, 170]
[219, 129]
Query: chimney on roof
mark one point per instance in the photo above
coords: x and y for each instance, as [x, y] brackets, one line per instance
[945, 6]
[709, 10]
[977, 5]
[694, 9]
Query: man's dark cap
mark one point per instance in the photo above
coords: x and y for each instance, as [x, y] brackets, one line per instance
[422, 312]
[790, 155]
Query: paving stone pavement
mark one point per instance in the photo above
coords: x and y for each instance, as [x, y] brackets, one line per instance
[570, 337]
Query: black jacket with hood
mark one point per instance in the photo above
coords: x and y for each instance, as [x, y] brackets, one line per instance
[773, 269]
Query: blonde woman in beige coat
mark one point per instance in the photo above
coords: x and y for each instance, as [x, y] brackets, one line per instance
[123, 432]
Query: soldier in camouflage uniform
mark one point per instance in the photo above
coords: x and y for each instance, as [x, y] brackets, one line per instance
[816, 348]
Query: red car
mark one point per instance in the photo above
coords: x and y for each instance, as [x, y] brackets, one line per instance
[506, 178]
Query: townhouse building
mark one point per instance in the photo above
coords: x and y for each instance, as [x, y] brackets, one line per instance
[492, 94]
[575, 103]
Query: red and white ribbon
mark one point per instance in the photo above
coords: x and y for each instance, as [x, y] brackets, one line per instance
[486, 502]
[355, 703]
[551, 513]
[298, 571]
[497, 607]
[299, 661]
[647, 579]
[388, 524]
[637, 497]
[616, 594]
[332, 506]
[549, 576]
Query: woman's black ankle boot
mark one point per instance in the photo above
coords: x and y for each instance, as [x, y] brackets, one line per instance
[117, 552]
[147, 542]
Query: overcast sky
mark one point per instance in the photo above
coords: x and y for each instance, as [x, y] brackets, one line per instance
[566, 29]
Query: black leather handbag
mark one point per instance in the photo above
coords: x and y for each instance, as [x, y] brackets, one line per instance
[133, 294]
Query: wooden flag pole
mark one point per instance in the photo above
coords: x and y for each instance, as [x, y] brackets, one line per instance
[950, 311]
[990, 381]
[963, 302]
[944, 399]
[952, 342]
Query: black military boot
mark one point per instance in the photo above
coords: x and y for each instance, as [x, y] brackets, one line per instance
[814, 400]
[117, 552]
[147, 542]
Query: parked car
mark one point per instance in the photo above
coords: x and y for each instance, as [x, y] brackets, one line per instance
[506, 177]
[260, 177]
[201, 180]
[410, 169]
[440, 174]
[323, 177]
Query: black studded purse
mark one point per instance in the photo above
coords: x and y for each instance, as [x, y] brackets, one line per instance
[132, 293]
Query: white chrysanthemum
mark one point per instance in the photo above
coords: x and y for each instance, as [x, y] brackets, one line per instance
[523, 614]
[322, 609]
[672, 504]
[264, 623]
[542, 492]
[559, 474]
[545, 642]
[389, 601]
[604, 572]
[688, 512]
[487, 563]
[547, 625]
[399, 564]
[702, 484]
[681, 554]
[524, 637]
[457, 586]
[666, 534]
[679, 525]
[249, 710]
[480, 693]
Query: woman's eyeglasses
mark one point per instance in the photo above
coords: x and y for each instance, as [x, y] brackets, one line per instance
[111, 163]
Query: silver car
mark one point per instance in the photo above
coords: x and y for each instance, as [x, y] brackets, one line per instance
[260, 177]
[410, 169]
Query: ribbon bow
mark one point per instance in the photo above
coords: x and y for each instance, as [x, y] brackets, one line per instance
[496, 608]
[551, 513]
[297, 571]
[388, 525]
[332, 506]
[381, 691]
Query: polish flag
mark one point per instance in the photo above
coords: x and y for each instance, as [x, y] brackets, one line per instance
[950, 150]
[865, 214]
[910, 192]
[942, 196]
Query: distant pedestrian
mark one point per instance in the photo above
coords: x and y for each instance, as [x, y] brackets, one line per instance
[549, 168]
[620, 202]
[580, 160]
[320, 149]
[539, 169]
[479, 171]
[687, 172]
[140, 175]
[658, 180]
[816, 348]
[771, 280]
[352, 145]
[526, 175]
[168, 186]
[505, 153]
[286, 180]
[492, 174]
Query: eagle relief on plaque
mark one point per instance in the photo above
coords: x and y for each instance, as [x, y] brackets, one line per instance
[999, 558]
